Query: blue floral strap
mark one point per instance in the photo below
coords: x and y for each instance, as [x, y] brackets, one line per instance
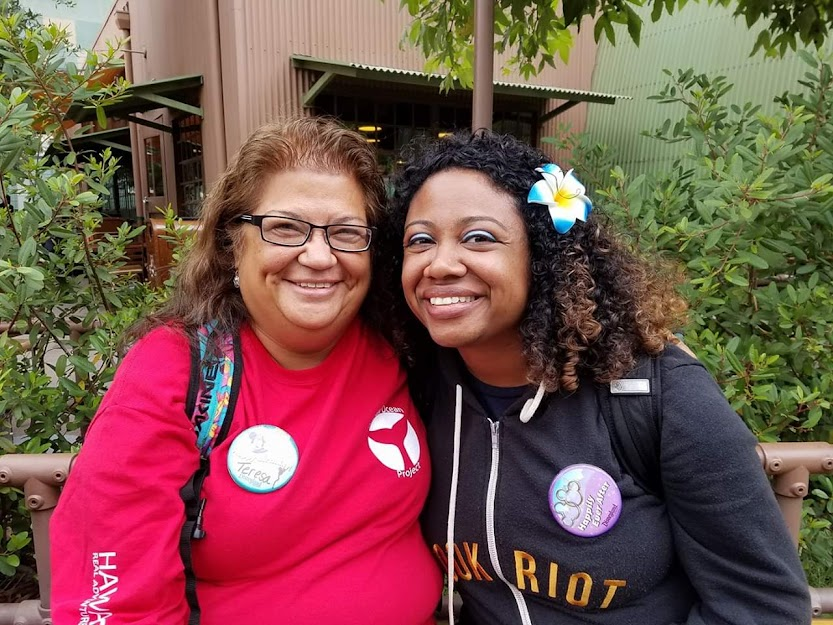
[216, 385]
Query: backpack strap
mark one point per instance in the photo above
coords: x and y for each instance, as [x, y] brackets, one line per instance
[632, 409]
[213, 387]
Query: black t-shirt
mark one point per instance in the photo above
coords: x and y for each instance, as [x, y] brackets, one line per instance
[496, 399]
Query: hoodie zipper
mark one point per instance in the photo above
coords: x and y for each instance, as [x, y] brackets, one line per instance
[490, 523]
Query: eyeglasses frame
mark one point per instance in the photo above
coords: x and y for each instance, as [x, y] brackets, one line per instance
[257, 220]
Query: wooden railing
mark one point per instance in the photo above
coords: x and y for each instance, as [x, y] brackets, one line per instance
[42, 476]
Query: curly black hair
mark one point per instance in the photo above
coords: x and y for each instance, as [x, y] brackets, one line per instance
[594, 305]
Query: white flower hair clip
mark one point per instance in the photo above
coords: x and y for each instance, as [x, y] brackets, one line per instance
[563, 194]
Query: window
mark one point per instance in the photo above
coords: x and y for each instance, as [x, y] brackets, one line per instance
[390, 126]
[153, 165]
[122, 199]
[517, 123]
[190, 186]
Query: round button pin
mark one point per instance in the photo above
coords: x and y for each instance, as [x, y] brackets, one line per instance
[585, 500]
[262, 458]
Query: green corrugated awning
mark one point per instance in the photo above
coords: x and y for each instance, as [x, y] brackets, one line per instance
[330, 69]
[115, 138]
[142, 97]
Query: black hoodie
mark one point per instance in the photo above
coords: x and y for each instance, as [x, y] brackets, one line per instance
[713, 551]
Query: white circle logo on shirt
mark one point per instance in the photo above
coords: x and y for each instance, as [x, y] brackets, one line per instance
[262, 458]
[394, 442]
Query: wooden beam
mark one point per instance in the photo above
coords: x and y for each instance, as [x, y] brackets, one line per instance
[319, 85]
[557, 111]
[170, 103]
[148, 123]
[113, 144]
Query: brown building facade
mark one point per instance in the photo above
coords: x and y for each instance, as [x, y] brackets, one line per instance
[206, 73]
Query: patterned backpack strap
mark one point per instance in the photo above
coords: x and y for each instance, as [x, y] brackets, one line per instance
[216, 372]
[214, 356]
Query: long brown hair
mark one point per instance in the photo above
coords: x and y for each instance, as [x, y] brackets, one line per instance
[203, 288]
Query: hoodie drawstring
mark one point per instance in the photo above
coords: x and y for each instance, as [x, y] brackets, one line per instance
[527, 412]
[531, 405]
[452, 501]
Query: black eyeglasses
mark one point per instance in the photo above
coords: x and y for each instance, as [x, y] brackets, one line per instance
[291, 232]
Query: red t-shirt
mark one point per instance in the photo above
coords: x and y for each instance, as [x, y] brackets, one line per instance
[338, 543]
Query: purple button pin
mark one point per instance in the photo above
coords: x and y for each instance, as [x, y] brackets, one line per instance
[585, 500]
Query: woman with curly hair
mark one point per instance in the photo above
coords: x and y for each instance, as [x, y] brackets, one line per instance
[535, 310]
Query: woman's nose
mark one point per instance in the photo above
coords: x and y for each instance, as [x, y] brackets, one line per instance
[316, 252]
[446, 262]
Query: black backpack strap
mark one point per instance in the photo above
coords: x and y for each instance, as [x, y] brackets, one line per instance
[632, 409]
[216, 360]
[191, 529]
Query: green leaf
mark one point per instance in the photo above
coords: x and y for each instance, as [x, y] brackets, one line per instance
[7, 567]
[27, 252]
[32, 278]
[822, 180]
[752, 259]
[18, 541]
[573, 11]
[634, 24]
[735, 278]
[82, 364]
[813, 418]
[712, 238]
[101, 116]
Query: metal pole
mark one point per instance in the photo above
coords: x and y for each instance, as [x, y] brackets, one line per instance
[484, 62]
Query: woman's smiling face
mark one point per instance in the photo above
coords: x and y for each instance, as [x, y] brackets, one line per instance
[465, 269]
[303, 298]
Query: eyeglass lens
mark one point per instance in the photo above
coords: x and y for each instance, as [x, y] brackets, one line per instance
[288, 231]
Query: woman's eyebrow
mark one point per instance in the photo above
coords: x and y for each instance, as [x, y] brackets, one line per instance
[341, 219]
[419, 222]
[465, 221]
[475, 218]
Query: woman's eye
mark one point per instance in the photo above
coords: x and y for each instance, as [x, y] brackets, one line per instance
[282, 227]
[418, 240]
[479, 236]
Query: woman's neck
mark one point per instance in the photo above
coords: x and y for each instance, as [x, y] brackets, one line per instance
[500, 365]
[294, 357]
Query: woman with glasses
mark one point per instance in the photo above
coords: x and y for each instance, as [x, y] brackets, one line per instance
[307, 512]
[538, 511]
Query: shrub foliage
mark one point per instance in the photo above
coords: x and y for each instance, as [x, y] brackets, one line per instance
[57, 274]
[747, 212]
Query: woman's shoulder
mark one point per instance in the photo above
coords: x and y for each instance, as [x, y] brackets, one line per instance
[677, 355]
[161, 359]
[162, 346]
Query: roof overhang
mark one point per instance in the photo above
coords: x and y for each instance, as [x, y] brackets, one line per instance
[116, 138]
[330, 69]
[143, 97]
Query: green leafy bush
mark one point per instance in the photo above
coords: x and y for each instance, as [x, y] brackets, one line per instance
[747, 212]
[63, 300]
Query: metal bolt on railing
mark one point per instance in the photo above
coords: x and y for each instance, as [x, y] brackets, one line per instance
[41, 477]
[822, 600]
